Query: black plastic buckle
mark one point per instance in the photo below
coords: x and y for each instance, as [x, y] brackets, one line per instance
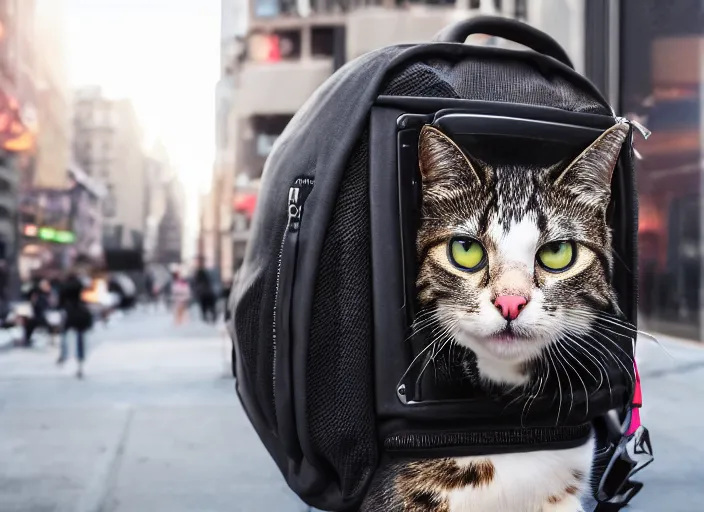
[632, 454]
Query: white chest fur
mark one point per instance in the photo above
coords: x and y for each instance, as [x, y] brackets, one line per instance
[528, 482]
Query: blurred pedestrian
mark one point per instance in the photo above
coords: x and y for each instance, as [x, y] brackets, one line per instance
[180, 297]
[3, 280]
[151, 290]
[207, 300]
[78, 318]
[226, 289]
[166, 292]
[52, 315]
[39, 296]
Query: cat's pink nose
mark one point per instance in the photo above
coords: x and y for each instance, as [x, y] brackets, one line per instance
[510, 306]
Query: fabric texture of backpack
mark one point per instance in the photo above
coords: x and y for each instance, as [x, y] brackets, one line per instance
[313, 315]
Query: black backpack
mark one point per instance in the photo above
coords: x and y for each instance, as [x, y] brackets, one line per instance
[323, 301]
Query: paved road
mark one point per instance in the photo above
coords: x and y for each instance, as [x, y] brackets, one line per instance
[156, 427]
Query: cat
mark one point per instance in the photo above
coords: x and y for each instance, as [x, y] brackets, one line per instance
[512, 259]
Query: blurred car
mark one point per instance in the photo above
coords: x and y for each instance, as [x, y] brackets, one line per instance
[124, 287]
[98, 295]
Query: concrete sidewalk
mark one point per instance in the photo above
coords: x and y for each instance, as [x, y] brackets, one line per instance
[7, 339]
[155, 426]
[667, 354]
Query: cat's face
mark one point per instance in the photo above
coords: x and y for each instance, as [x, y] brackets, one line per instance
[514, 259]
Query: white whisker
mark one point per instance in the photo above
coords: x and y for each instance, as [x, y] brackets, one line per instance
[434, 344]
[616, 360]
[657, 342]
[569, 380]
[586, 392]
[602, 365]
[531, 399]
[559, 385]
[615, 321]
[567, 347]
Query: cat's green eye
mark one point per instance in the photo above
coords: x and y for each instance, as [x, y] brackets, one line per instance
[466, 253]
[557, 256]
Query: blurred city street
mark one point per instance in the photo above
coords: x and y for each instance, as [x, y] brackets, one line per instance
[156, 426]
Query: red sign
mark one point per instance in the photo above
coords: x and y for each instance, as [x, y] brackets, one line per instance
[245, 203]
[264, 48]
[31, 230]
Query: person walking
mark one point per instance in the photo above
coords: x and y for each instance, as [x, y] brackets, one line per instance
[151, 290]
[40, 300]
[78, 318]
[166, 292]
[205, 295]
[180, 297]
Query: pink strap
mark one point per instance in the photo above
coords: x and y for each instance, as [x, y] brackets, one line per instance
[637, 403]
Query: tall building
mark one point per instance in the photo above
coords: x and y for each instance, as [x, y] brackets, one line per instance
[165, 204]
[170, 234]
[107, 144]
[86, 213]
[217, 238]
[53, 98]
[159, 173]
[44, 181]
[210, 230]
[61, 224]
[18, 126]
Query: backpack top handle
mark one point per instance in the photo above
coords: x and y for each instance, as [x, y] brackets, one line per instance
[504, 28]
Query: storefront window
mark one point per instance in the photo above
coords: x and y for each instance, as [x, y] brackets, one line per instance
[661, 69]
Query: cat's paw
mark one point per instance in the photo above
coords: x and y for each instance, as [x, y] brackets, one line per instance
[566, 503]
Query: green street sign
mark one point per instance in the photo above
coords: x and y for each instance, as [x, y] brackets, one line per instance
[56, 235]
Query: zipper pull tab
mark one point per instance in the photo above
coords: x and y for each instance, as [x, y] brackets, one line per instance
[294, 209]
[297, 196]
[635, 124]
[642, 129]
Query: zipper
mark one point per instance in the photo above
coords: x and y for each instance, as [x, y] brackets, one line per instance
[283, 300]
[645, 133]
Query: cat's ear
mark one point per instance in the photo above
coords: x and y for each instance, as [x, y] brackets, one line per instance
[590, 173]
[440, 158]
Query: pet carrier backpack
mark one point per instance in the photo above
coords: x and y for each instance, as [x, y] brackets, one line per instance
[321, 310]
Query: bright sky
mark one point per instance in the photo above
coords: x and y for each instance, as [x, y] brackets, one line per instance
[164, 56]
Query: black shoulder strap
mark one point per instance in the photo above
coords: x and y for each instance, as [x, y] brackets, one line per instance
[628, 457]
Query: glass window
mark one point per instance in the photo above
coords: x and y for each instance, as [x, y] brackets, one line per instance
[323, 41]
[661, 62]
[266, 8]
[264, 144]
[109, 202]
